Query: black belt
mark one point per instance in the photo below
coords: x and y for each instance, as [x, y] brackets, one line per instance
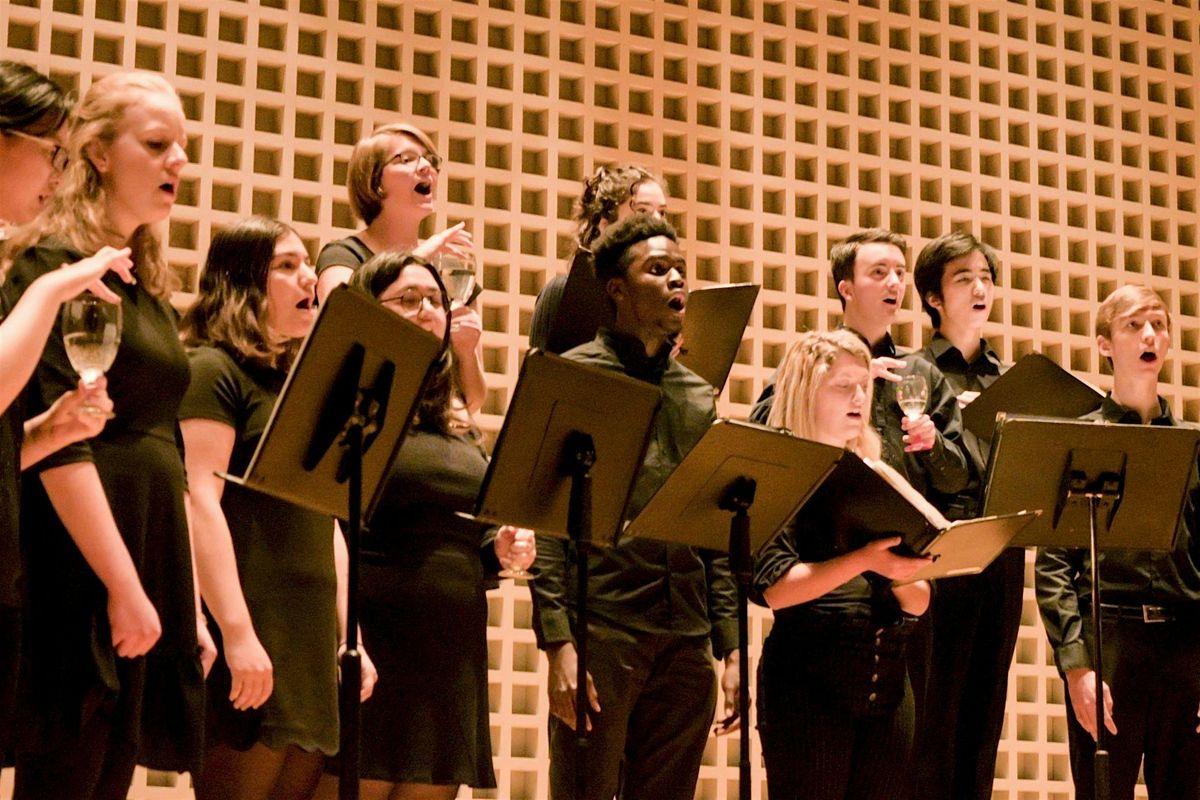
[1148, 613]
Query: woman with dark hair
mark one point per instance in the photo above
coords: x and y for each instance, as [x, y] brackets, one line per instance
[33, 114]
[392, 181]
[424, 614]
[612, 193]
[835, 708]
[266, 567]
[112, 673]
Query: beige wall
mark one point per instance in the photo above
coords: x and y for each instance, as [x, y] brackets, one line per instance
[1061, 131]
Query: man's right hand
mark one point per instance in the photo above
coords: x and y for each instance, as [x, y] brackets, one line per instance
[562, 684]
[1081, 687]
[882, 366]
[134, 622]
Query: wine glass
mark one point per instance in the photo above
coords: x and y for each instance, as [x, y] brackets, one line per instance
[912, 393]
[458, 275]
[91, 330]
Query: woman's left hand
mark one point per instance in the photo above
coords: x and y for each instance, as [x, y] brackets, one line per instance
[208, 648]
[515, 547]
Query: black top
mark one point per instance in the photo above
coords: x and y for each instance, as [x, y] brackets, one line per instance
[975, 376]
[644, 585]
[545, 309]
[12, 432]
[69, 668]
[349, 252]
[937, 473]
[1062, 576]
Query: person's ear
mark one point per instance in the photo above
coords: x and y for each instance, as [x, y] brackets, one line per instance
[1104, 345]
[846, 289]
[934, 301]
[616, 288]
[97, 153]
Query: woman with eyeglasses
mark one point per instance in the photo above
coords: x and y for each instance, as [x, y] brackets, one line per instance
[33, 121]
[115, 647]
[392, 182]
[424, 570]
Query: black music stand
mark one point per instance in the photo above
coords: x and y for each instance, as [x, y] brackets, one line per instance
[1129, 480]
[331, 440]
[734, 466]
[713, 327]
[565, 463]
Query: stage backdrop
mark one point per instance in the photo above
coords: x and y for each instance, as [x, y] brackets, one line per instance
[1063, 132]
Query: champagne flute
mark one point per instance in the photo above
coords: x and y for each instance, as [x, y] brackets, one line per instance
[912, 393]
[458, 275]
[91, 330]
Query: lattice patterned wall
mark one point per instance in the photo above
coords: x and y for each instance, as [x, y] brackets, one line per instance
[1061, 131]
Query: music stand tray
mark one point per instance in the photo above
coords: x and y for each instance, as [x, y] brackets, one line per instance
[359, 343]
[1031, 454]
[713, 326]
[555, 397]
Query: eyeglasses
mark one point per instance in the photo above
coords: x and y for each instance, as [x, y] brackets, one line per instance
[59, 158]
[408, 158]
[411, 301]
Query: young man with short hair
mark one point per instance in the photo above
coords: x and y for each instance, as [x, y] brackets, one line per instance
[1150, 602]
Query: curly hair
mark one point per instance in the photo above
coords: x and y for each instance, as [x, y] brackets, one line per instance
[603, 193]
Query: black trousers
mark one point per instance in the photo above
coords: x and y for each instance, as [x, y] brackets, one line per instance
[98, 763]
[657, 696]
[1154, 673]
[973, 627]
[835, 713]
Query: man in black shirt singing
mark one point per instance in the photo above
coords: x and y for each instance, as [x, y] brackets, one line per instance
[1150, 601]
[974, 620]
[653, 607]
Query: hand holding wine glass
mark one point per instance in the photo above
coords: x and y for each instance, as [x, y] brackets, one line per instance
[516, 549]
[458, 276]
[91, 330]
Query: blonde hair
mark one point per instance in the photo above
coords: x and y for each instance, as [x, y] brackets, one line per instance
[1129, 299]
[804, 367]
[365, 173]
[78, 213]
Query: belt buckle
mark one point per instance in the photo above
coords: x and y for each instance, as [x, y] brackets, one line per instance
[1153, 614]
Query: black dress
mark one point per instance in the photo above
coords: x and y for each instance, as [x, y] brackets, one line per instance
[424, 620]
[285, 564]
[69, 669]
[11, 435]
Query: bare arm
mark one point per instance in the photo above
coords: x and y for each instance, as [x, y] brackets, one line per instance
[23, 333]
[341, 566]
[806, 581]
[330, 278]
[208, 445]
[78, 498]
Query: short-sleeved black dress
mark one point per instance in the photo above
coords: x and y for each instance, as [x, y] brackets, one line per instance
[69, 668]
[285, 564]
[424, 619]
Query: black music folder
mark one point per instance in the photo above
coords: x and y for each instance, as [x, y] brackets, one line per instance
[713, 325]
[858, 504]
[583, 308]
[1035, 385]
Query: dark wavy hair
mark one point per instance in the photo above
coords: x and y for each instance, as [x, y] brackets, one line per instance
[230, 311]
[613, 252]
[373, 278]
[30, 102]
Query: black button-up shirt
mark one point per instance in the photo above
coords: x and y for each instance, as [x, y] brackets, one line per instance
[937, 473]
[963, 376]
[643, 585]
[1062, 576]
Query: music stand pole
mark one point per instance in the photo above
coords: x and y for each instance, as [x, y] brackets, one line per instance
[350, 687]
[1100, 759]
[738, 498]
[579, 455]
